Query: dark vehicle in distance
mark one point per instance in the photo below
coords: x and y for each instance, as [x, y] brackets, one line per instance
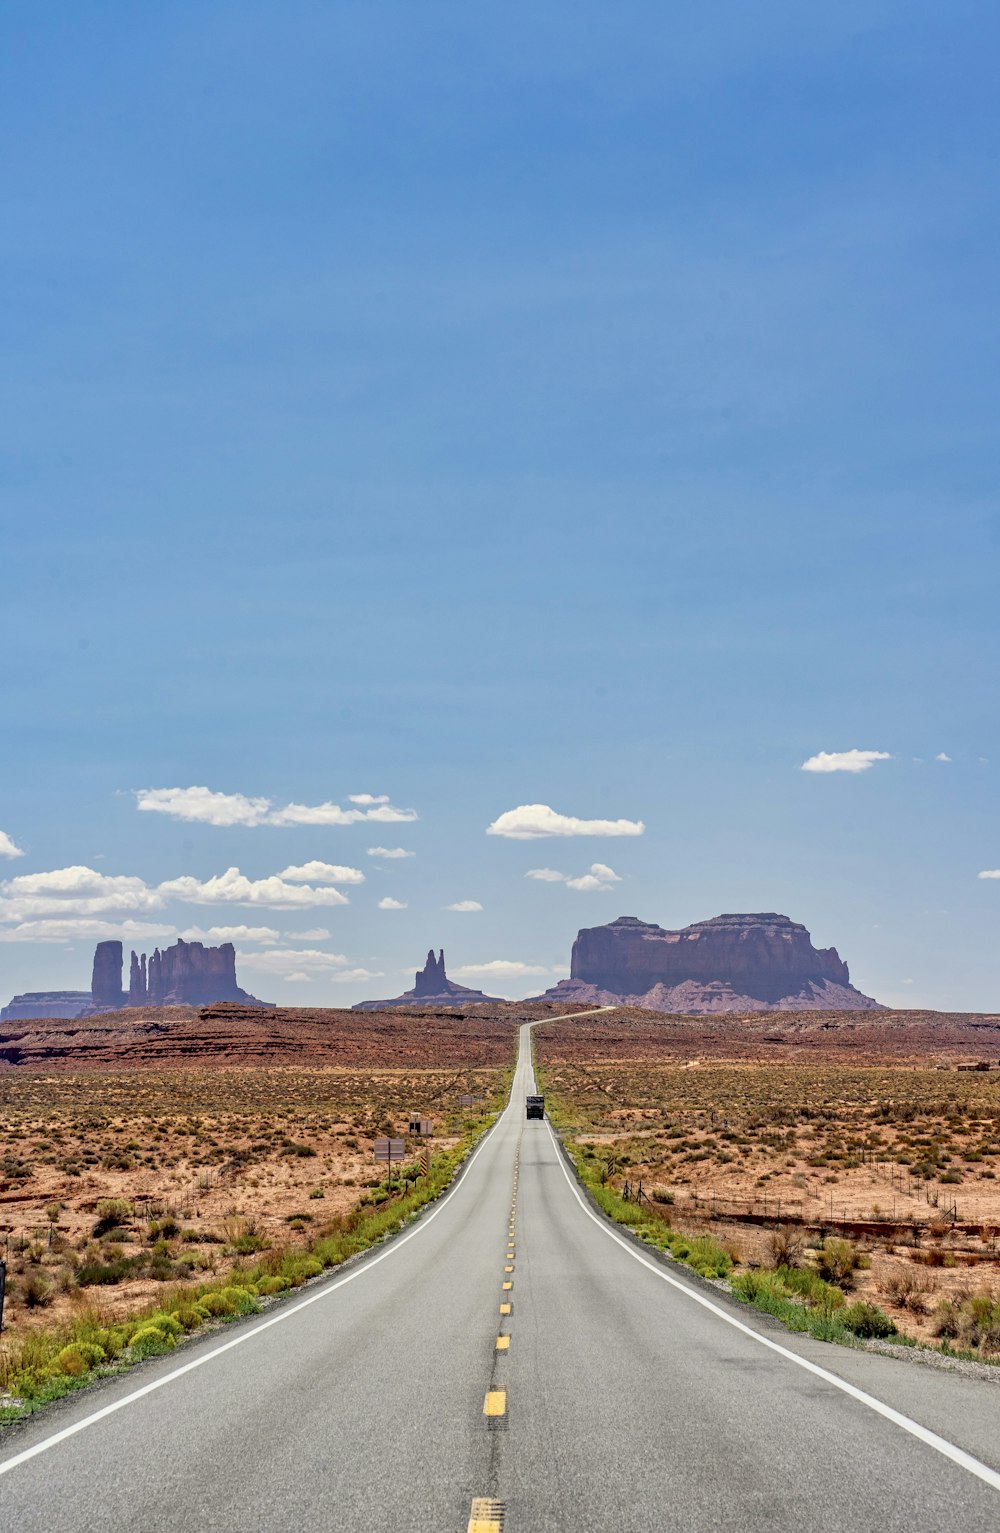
[535, 1107]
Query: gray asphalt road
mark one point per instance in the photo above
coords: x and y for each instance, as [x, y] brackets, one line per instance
[626, 1398]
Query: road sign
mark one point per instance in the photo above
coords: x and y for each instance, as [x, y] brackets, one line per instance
[420, 1125]
[465, 1101]
[390, 1149]
[425, 1162]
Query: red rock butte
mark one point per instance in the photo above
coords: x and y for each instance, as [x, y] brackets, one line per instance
[186, 974]
[756, 962]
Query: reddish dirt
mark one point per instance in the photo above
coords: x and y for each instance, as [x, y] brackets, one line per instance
[233, 1035]
[779, 1037]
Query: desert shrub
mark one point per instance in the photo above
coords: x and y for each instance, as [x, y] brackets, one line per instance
[111, 1214]
[95, 1273]
[272, 1285]
[166, 1324]
[215, 1304]
[247, 1245]
[972, 1319]
[706, 1258]
[231, 1300]
[864, 1319]
[191, 1316]
[299, 1268]
[837, 1261]
[785, 1246]
[906, 1290]
[36, 1290]
[78, 1358]
[811, 1287]
[149, 1341]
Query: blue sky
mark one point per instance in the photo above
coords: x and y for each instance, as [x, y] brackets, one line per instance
[565, 404]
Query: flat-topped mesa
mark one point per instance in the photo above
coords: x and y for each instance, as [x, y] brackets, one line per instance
[731, 962]
[431, 987]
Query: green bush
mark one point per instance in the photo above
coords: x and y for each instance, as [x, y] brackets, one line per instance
[78, 1358]
[149, 1341]
[837, 1261]
[272, 1285]
[864, 1319]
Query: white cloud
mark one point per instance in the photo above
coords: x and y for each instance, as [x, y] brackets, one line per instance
[990, 873]
[7, 847]
[314, 934]
[201, 805]
[233, 888]
[85, 929]
[391, 852]
[333, 814]
[368, 798]
[74, 891]
[530, 822]
[263, 934]
[941, 756]
[500, 968]
[298, 965]
[844, 761]
[464, 905]
[322, 873]
[279, 960]
[390, 904]
[599, 877]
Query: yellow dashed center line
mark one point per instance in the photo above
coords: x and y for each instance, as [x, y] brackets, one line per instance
[495, 1403]
[503, 1344]
[507, 1287]
[505, 1309]
[486, 1515]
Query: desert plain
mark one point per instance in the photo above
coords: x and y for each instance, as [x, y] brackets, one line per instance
[155, 1148]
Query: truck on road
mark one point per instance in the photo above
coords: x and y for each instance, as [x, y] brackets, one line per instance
[535, 1107]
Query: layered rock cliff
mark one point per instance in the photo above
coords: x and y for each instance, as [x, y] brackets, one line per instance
[730, 963]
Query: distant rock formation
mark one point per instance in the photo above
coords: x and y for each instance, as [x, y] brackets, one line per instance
[187, 974]
[431, 987]
[730, 963]
[45, 1003]
[106, 984]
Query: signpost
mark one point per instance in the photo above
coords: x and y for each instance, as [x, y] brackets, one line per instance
[3, 1289]
[390, 1150]
[425, 1162]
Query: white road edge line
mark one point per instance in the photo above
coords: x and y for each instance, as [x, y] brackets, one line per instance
[923, 1434]
[265, 1325]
